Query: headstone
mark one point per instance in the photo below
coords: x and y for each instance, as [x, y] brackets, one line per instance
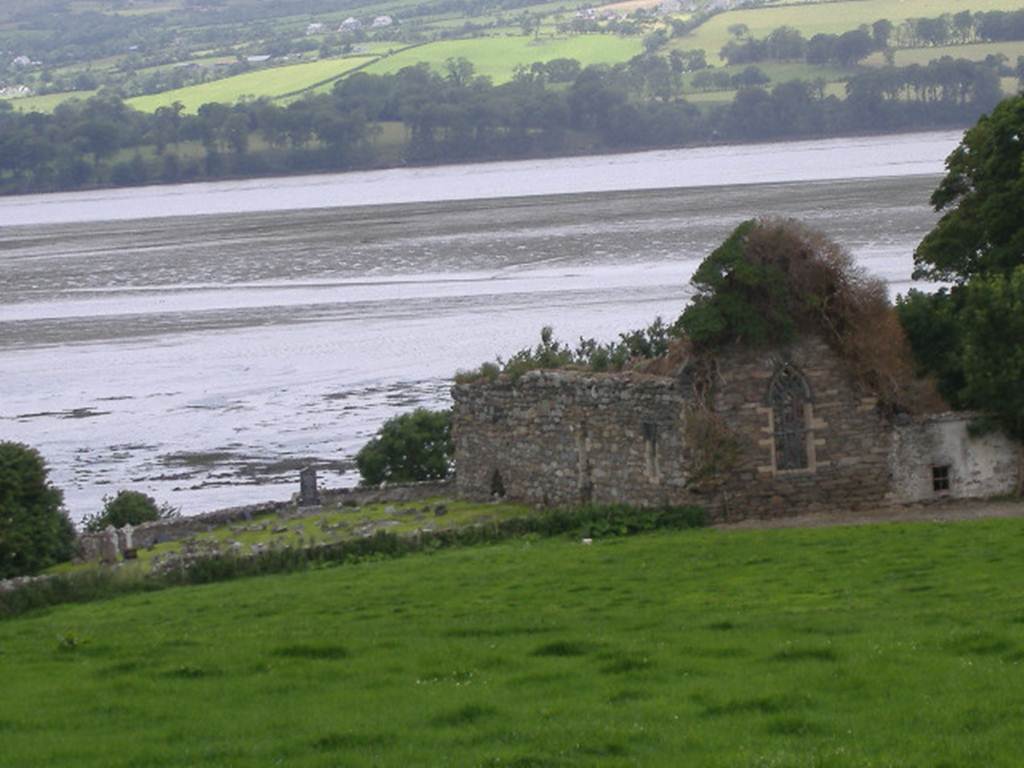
[125, 538]
[309, 496]
[109, 550]
[89, 547]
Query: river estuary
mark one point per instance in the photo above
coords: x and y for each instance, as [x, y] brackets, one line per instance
[202, 342]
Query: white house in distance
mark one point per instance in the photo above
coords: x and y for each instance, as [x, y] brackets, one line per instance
[315, 28]
[351, 24]
[15, 92]
[382, 21]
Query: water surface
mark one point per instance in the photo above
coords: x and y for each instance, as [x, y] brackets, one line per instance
[203, 359]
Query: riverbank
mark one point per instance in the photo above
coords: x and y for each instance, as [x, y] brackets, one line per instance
[841, 158]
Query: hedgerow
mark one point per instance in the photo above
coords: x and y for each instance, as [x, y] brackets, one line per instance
[586, 521]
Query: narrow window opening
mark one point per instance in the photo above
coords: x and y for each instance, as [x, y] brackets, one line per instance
[940, 478]
[497, 486]
[650, 431]
[788, 396]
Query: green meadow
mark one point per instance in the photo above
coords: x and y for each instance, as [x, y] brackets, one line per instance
[497, 57]
[501, 49]
[884, 645]
[271, 82]
[721, 98]
[825, 17]
[49, 102]
[904, 57]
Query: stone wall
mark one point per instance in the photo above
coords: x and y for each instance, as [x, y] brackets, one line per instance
[925, 449]
[847, 440]
[91, 545]
[566, 437]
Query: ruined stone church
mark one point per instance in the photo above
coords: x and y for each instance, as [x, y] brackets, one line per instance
[792, 432]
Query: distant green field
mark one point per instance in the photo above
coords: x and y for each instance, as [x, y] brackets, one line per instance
[887, 645]
[48, 102]
[496, 57]
[781, 72]
[726, 97]
[271, 82]
[829, 18]
[976, 52]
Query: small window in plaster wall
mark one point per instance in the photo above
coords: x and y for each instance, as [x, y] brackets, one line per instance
[940, 479]
[788, 396]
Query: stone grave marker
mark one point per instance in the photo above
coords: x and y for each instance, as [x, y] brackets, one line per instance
[309, 496]
[110, 551]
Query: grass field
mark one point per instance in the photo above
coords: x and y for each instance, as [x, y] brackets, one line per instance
[781, 72]
[721, 98]
[497, 57]
[976, 52]
[890, 645]
[832, 18]
[48, 102]
[271, 82]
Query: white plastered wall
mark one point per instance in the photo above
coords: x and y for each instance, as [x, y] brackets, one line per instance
[979, 466]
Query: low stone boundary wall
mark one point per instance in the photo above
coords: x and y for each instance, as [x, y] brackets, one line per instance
[109, 545]
[11, 585]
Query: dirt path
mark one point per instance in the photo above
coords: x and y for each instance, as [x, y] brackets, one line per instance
[951, 511]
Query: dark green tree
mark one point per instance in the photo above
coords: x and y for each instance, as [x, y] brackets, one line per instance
[971, 337]
[982, 194]
[932, 324]
[881, 31]
[34, 531]
[127, 508]
[993, 348]
[408, 448]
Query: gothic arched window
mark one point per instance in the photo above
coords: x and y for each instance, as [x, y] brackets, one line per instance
[788, 397]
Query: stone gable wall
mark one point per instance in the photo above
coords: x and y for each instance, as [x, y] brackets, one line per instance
[848, 443]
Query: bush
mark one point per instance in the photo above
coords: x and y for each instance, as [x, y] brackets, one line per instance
[932, 324]
[775, 278]
[550, 354]
[127, 508]
[35, 532]
[408, 448]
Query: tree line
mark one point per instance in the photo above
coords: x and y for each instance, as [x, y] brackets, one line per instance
[549, 109]
[788, 44]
